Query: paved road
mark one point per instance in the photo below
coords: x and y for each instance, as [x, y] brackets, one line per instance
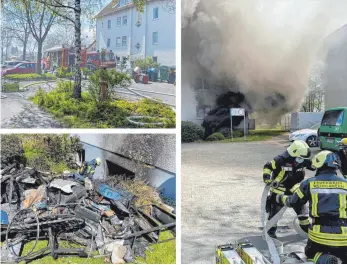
[153, 87]
[18, 112]
[221, 191]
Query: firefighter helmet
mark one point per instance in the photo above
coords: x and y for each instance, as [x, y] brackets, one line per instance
[300, 149]
[98, 161]
[325, 158]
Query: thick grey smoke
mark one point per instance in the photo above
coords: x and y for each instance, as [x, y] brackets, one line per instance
[267, 47]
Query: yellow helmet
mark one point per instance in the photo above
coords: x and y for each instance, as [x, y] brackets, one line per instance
[98, 161]
[300, 149]
[344, 141]
[325, 158]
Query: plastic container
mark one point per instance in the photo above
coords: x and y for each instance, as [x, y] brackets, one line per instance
[164, 73]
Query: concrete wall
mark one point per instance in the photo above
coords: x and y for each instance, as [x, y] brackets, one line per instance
[335, 74]
[149, 157]
[165, 25]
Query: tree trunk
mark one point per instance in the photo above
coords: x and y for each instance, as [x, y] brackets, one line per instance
[25, 49]
[78, 77]
[39, 56]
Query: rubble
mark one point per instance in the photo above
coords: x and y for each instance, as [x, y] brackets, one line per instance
[37, 205]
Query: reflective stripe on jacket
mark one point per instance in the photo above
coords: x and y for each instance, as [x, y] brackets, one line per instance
[326, 194]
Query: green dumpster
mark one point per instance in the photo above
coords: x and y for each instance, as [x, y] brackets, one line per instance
[164, 73]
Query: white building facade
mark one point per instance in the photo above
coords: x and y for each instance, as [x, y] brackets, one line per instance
[126, 31]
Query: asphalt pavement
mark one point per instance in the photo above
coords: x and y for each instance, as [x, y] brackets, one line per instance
[221, 192]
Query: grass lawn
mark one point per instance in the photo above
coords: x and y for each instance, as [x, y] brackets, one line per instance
[164, 253]
[256, 135]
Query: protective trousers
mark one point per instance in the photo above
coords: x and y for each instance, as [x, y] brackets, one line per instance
[316, 252]
[272, 208]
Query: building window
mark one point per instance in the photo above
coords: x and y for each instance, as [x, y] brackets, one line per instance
[125, 20]
[201, 84]
[109, 24]
[155, 38]
[156, 13]
[118, 43]
[119, 21]
[114, 169]
[155, 59]
[121, 2]
[202, 110]
[108, 43]
[124, 41]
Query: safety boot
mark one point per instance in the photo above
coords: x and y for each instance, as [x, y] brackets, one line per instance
[327, 259]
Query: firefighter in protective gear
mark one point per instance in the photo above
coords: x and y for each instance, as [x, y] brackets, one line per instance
[283, 174]
[326, 193]
[343, 156]
[88, 168]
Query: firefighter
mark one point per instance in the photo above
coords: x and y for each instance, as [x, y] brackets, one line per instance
[283, 174]
[88, 168]
[343, 156]
[326, 193]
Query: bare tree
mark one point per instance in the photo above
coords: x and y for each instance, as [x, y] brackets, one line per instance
[61, 34]
[17, 24]
[314, 100]
[40, 20]
[6, 40]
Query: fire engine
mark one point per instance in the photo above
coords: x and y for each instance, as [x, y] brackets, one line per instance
[65, 57]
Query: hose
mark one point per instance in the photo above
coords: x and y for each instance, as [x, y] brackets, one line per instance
[37, 232]
[267, 225]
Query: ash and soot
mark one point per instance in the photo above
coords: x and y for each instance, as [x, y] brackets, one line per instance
[259, 52]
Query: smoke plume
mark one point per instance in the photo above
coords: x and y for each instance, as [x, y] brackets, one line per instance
[266, 47]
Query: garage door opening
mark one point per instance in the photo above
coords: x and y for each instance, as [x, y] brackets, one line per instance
[119, 171]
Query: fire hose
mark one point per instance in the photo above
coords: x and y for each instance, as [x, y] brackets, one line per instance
[267, 224]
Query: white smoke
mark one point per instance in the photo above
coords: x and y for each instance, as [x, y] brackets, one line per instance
[267, 47]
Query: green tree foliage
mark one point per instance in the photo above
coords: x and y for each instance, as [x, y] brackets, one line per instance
[146, 63]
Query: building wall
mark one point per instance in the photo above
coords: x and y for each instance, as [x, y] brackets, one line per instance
[335, 75]
[165, 25]
[149, 157]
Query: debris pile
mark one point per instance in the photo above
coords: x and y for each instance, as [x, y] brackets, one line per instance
[99, 217]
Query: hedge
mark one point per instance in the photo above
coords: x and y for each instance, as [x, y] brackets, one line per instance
[191, 132]
[215, 137]
[30, 76]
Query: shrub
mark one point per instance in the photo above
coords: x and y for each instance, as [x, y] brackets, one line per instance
[215, 137]
[11, 149]
[50, 152]
[10, 87]
[113, 78]
[237, 134]
[89, 113]
[147, 63]
[191, 132]
[62, 71]
[30, 76]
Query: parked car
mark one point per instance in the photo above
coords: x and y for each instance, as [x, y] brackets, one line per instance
[310, 136]
[333, 128]
[21, 68]
[11, 64]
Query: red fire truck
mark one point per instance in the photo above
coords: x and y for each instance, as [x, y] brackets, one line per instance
[60, 56]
